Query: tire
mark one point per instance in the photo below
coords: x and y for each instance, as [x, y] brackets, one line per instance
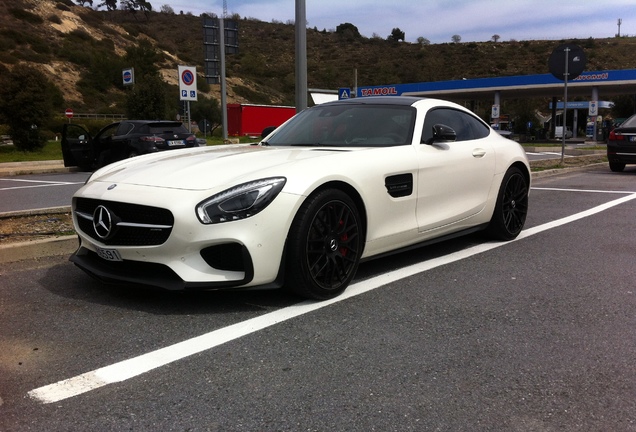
[617, 166]
[324, 246]
[511, 208]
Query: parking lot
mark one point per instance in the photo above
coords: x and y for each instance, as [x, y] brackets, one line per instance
[535, 334]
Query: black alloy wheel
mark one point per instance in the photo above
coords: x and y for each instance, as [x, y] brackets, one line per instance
[325, 245]
[511, 208]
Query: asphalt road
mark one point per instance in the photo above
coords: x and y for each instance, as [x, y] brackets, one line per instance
[35, 191]
[531, 335]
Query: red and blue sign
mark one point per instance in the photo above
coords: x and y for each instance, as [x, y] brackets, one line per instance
[128, 76]
[188, 77]
[187, 83]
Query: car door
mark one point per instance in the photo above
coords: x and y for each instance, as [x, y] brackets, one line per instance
[77, 146]
[105, 148]
[454, 177]
[118, 140]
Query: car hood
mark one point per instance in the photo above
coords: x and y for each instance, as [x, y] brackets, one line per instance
[211, 167]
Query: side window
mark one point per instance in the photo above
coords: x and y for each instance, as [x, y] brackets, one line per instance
[124, 129]
[477, 127]
[108, 131]
[465, 126]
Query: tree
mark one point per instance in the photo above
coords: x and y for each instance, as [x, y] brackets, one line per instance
[144, 58]
[167, 9]
[84, 2]
[147, 100]
[624, 106]
[396, 35]
[495, 38]
[423, 41]
[136, 5]
[111, 5]
[206, 109]
[348, 30]
[26, 102]
[456, 38]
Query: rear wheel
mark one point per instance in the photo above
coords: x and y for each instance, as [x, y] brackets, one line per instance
[617, 166]
[511, 207]
[324, 246]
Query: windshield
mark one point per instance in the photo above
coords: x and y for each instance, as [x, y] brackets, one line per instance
[348, 125]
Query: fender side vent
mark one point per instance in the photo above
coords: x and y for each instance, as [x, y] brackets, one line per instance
[399, 185]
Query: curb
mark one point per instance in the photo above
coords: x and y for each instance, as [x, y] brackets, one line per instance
[64, 245]
[34, 167]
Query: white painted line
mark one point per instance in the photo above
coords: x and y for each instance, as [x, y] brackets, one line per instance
[41, 181]
[135, 366]
[38, 184]
[583, 190]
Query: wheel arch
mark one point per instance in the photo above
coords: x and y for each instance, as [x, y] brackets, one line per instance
[353, 193]
[524, 169]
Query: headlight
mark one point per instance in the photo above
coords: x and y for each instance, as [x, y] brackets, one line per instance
[240, 202]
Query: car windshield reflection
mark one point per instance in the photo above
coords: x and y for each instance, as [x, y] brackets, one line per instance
[363, 125]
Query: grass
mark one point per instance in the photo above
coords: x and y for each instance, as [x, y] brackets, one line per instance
[51, 151]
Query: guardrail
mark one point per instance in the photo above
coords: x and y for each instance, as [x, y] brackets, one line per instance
[96, 116]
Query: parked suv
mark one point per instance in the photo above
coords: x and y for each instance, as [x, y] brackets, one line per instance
[122, 140]
[621, 145]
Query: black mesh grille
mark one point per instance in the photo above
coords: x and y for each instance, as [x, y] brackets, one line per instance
[228, 256]
[127, 214]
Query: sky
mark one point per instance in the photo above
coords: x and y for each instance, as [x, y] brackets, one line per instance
[439, 20]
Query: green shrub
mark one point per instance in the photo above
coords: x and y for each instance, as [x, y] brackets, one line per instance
[26, 16]
[54, 19]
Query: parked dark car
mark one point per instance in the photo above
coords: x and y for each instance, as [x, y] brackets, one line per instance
[621, 145]
[122, 140]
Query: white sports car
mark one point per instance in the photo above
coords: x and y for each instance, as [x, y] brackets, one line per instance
[338, 183]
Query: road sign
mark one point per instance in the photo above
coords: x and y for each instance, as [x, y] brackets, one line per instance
[593, 108]
[69, 112]
[344, 93]
[128, 76]
[494, 112]
[188, 83]
[567, 57]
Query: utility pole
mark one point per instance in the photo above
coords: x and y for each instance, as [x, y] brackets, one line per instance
[620, 21]
[301, 56]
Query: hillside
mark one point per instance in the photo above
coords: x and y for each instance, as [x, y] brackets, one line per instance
[81, 51]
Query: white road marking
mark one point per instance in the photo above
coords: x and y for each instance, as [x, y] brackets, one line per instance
[38, 184]
[584, 190]
[135, 366]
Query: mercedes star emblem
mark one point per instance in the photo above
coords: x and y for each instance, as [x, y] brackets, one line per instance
[102, 222]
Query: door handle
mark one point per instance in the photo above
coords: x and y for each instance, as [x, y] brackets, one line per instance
[479, 152]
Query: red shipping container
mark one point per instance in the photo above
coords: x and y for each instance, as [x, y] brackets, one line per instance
[250, 120]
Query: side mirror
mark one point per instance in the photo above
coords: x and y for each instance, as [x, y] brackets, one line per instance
[268, 130]
[442, 132]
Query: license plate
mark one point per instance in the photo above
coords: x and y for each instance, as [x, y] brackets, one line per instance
[176, 143]
[109, 254]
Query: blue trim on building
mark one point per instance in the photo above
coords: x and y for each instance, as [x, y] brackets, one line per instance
[498, 83]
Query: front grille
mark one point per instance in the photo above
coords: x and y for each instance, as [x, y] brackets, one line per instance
[132, 224]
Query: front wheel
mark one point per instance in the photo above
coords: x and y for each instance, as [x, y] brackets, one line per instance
[511, 208]
[324, 246]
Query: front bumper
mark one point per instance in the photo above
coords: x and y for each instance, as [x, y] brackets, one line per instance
[238, 254]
